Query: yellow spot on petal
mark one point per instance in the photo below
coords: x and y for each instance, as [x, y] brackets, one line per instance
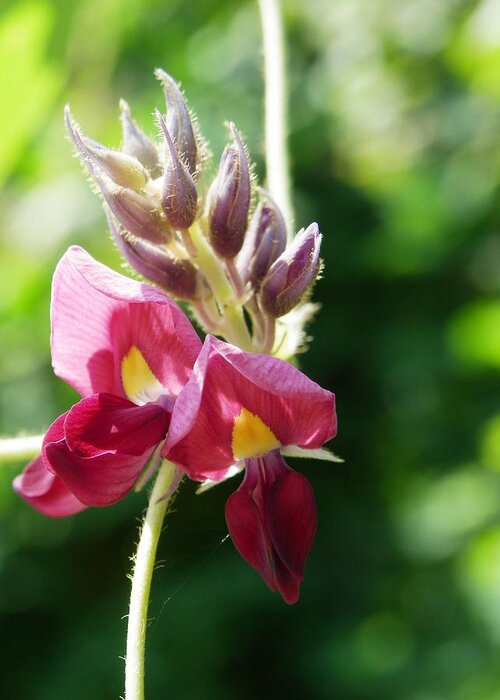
[251, 436]
[139, 383]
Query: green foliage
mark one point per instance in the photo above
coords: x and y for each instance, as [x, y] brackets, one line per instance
[394, 133]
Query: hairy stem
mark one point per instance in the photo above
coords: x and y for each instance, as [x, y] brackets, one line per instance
[24, 447]
[277, 167]
[141, 581]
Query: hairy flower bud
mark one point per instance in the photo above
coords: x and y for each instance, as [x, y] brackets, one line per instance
[229, 199]
[264, 242]
[123, 169]
[292, 274]
[178, 121]
[178, 277]
[179, 199]
[137, 144]
[136, 212]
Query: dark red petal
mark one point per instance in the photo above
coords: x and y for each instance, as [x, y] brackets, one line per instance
[199, 437]
[55, 433]
[45, 492]
[292, 519]
[104, 423]
[246, 531]
[95, 481]
[287, 584]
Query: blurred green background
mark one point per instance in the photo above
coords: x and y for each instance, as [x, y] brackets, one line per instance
[395, 141]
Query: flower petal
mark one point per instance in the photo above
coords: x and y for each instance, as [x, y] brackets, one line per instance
[291, 518]
[272, 521]
[45, 492]
[104, 423]
[245, 528]
[95, 481]
[54, 435]
[98, 315]
[225, 379]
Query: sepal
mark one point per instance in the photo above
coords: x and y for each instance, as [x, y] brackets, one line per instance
[264, 242]
[137, 144]
[229, 199]
[178, 122]
[292, 274]
[179, 198]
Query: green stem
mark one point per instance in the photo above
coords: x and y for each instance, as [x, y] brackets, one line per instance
[25, 447]
[232, 322]
[141, 582]
[277, 167]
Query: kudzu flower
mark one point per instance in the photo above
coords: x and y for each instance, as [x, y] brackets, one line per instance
[198, 236]
[128, 349]
[243, 409]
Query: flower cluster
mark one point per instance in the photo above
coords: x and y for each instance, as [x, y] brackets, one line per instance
[150, 389]
[200, 241]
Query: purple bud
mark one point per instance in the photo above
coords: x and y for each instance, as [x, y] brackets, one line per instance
[137, 144]
[179, 200]
[178, 121]
[229, 199]
[123, 169]
[178, 277]
[137, 212]
[264, 242]
[292, 274]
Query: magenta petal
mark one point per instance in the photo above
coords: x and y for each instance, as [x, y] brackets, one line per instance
[95, 481]
[225, 379]
[296, 409]
[199, 437]
[248, 537]
[103, 423]
[54, 434]
[291, 518]
[96, 316]
[45, 492]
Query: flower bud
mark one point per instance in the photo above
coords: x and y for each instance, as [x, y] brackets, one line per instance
[136, 211]
[178, 277]
[137, 144]
[292, 274]
[123, 169]
[178, 121]
[179, 199]
[229, 199]
[264, 242]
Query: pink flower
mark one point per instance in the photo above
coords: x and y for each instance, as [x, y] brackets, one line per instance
[241, 409]
[128, 350]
